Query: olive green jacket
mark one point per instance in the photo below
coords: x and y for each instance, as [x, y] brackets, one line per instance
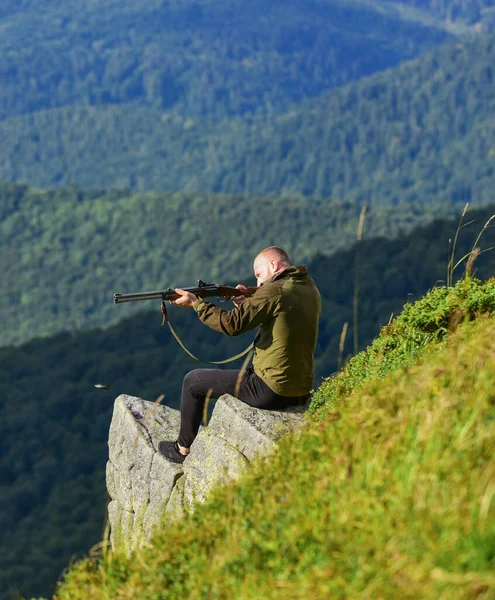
[286, 309]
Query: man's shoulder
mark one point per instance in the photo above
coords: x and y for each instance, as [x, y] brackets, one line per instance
[270, 289]
[297, 280]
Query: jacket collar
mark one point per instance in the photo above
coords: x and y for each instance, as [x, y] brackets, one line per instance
[293, 271]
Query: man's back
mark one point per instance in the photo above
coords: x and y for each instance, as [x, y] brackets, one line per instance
[285, 346]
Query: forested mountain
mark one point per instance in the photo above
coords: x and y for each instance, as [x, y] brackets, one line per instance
[471, 12]
[194, 57]
[64, 253]
[54, 423]
[422, 132]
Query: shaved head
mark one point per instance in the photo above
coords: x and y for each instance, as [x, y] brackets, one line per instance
[270, 261]
[275, 253]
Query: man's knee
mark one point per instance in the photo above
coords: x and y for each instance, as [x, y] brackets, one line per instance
[190, 379]
[194, 383]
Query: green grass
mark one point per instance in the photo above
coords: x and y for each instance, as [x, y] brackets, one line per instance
[391, 495]
[401, 343]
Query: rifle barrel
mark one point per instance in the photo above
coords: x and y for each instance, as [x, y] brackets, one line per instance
[159, 294]
[120, 298]
[201, 291]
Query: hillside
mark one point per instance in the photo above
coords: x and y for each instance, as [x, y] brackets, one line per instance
[194, 57]
[64, 253]
[54, 423]
[389, 495]
[421, 132]
[452, 12]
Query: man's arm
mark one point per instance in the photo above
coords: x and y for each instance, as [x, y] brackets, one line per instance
[245, 317]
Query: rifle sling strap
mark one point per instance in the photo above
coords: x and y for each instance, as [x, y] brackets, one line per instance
[179, 341]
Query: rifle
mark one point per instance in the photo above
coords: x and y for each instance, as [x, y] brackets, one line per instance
[202, 290]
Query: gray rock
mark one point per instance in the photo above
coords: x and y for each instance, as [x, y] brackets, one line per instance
[212, 461]
[112, 487]
[122, 526]
[252, 431]
[147, 491]
[139, 479]
[163, 481]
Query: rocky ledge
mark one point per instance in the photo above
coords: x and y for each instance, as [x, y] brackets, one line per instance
[145, 489]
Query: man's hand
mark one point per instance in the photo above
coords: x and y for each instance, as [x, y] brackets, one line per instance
[186, 299]
[238, 300]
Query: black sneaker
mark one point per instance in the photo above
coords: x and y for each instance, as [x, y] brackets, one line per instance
[170, 450]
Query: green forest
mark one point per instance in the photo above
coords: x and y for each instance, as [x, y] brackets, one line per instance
[54, 423]
[195, 57]
[421, 132]
[65, 252]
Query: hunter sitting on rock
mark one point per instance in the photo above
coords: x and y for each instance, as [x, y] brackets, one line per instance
[286, 307]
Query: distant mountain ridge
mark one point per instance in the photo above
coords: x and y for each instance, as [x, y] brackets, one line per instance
[422, 132]
[469, 12]
[195, 57]
[210, 58]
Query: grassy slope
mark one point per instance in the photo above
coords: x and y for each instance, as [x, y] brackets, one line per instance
[420, 132]
[66, 252]
[389, 495]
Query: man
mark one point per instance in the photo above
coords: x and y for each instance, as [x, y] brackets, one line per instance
[285, 307]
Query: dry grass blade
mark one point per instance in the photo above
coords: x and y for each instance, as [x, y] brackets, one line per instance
[205, 407]
[472, 255]
[150, 417]
[485, 227]
[343, 335]
[476, 252]
[356, 278]
[242, 371]
[470, 262]
[160, 398]
[450, 270]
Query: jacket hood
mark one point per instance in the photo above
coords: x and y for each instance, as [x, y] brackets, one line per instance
[293, 271]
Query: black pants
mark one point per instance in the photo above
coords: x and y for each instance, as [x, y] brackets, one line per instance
[251, 389]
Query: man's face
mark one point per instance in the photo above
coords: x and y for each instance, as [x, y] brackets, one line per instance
[264, 269]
